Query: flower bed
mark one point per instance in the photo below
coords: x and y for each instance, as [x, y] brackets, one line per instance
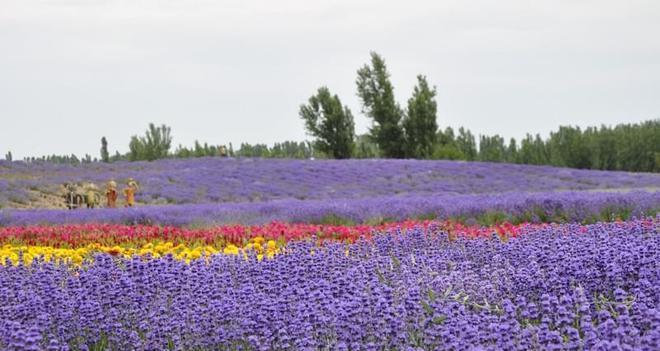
[550, 287]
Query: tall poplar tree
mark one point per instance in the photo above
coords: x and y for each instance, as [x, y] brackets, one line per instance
[105, 156]
[377, 94]
[420, 125]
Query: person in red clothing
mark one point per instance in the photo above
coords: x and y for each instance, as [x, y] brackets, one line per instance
[111, 194]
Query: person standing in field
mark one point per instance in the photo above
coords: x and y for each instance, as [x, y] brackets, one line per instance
[92, 196]
[129, 192]
[111, 194]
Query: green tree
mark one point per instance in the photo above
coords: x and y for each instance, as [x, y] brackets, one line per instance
[365, 147]
[568, 148]
[136, 150]
[637, 146]
[330, 123]
[511, 152]
[377, 95]
[466, 144]
[526, 154]
[8, 156]
[420, 123]
[199, 150]
[105, 156]
[446, 147]
[491, 148]
[154, 145]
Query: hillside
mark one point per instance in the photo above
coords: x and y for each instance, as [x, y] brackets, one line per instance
[217, 180]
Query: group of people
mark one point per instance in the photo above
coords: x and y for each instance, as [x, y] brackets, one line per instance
[78, 195]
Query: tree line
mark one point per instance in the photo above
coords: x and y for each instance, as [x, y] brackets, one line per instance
[626, 147]
[410, 132]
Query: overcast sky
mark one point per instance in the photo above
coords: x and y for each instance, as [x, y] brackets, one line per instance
[72, 71]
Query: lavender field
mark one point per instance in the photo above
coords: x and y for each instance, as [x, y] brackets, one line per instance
[329, 175]
[543, 258]
[216, 180]
[566, 287]
[215, 190]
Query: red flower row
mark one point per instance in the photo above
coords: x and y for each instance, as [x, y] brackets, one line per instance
[71, 236]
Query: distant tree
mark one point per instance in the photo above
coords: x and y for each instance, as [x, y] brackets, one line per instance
[526, 154]
[105, 156]
[365, 147]
[447, 147]
[491, 148]
[637, 146]
[511, 152]
[136, 149]
[377, 95]
[446, 137]
[117, 157]
[8, 156]
[199, 150]
[541, 151]
[154, 145]
[256, 150]
[568, 148]
[420, 123]
[602, 145]
[466, 144]
[447, 152]
[330, 123]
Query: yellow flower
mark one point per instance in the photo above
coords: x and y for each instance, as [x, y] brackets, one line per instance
[258, 240]
[230, 250]
[77, 259]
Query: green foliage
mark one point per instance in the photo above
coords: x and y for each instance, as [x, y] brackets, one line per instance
[447, 152]
[446, 137]
[365, 147]
[154, 145]
[105, 156]
[491, 148]
[287, 149]
[448, 147]
[511, 152]
[532, 151]
[626, 147]
[420, 123]
[466, 144]
[66, 159]
[377, 95]
[293, 149]
[568, 148]
[8, 156]
[330, 123]
[198, 150]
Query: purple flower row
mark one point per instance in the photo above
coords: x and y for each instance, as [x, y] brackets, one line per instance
[483, 208]
[214, 180]
[553, 288]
